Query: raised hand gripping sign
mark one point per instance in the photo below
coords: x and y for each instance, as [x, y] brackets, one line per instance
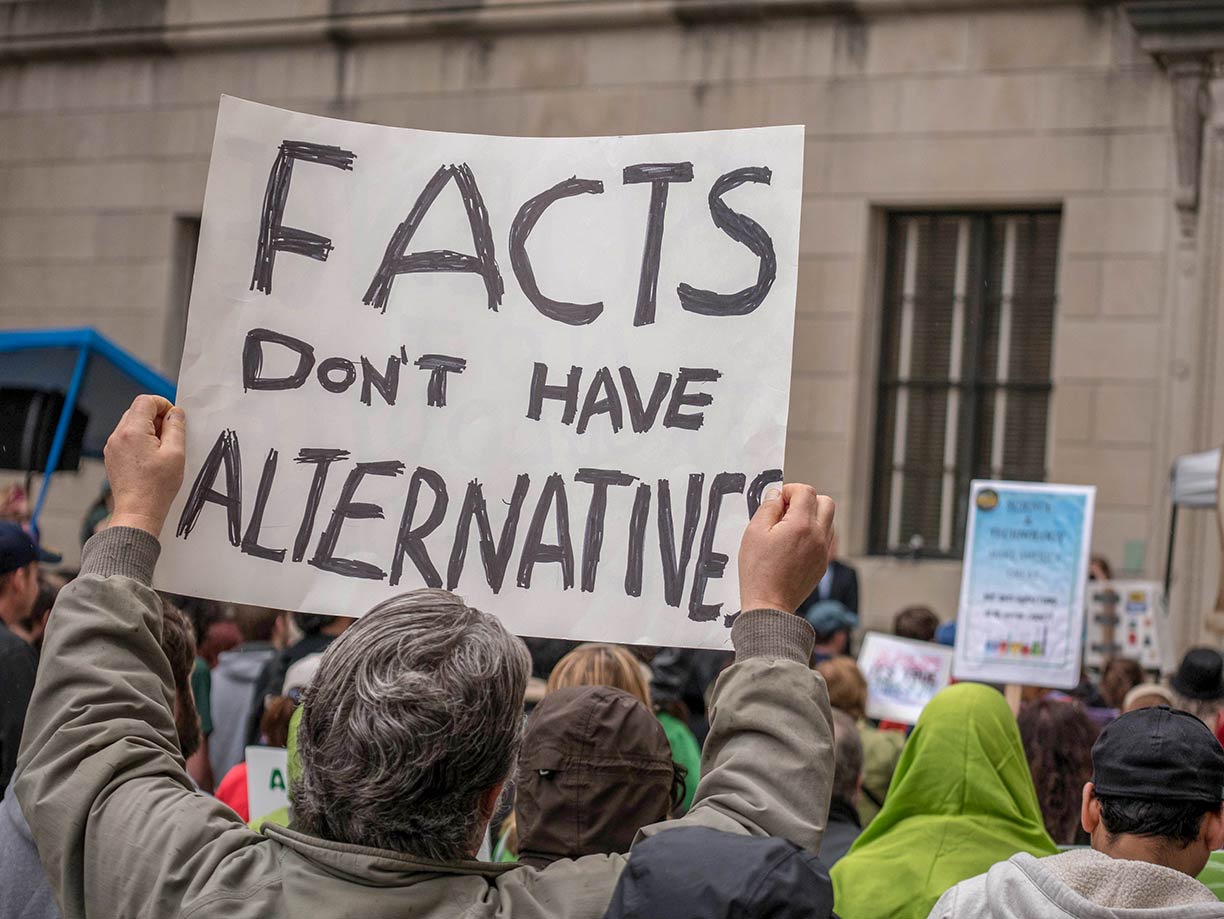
[550, 374]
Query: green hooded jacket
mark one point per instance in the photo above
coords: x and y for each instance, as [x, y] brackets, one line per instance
[960, 800]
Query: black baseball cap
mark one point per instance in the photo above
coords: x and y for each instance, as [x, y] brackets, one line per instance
[1159, 753]
[18, 549]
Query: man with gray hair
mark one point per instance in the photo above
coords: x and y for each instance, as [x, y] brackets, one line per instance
[409, 731]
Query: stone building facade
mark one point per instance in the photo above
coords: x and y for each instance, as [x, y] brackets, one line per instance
[996, 142]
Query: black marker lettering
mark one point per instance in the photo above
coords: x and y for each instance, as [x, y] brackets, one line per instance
[226, 451]
[637, 540]
[520, 229]
[252, 361]
[711, 564]
[659, 175]
[674, 570]
[541, 391]
[758, 486]
[439, 365]
[493, 557]
[274, 236]
[551, 497]
[410, 540]
[347, 509]
[673, 417]
[396, 261]
[743, 230]
[609, 404]
[348, 373]
[250, 539]
[322, 460]
[592, 539]
[642, 418]
[387, 383]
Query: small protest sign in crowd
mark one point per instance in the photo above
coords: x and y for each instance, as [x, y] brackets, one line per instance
[510, 610]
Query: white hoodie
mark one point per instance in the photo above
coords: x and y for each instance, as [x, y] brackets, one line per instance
[1080, 884]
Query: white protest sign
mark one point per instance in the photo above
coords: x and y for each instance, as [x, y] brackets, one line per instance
[267, 780]
[1127, 619]
[1021, 617]
[549, 374]
[903, 675]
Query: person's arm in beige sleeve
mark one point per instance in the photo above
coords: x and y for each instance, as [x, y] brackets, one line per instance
[101, 779]
[767, 766]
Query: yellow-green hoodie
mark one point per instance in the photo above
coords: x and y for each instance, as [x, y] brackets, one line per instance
[960, 800]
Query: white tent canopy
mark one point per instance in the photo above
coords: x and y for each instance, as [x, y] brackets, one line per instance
[1195, 479]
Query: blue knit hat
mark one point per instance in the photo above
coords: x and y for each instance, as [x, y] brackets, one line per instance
[829, 616]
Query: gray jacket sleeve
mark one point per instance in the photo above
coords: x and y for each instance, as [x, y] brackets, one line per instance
[119, 826]
[767, 765]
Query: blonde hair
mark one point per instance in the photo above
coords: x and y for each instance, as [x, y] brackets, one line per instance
[847, 685]
[1146, 695]
[601, 665]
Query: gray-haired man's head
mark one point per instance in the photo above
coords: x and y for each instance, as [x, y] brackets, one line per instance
[415, 715]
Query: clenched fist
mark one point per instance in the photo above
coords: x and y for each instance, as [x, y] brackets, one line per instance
[785, 548]
[144, 462]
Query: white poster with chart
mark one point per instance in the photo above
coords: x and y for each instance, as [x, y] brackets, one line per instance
[1021, 617]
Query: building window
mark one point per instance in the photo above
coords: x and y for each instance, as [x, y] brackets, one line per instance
[964, 387]
[186, 240]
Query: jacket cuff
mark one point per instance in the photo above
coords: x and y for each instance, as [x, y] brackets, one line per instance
[773, 634]
[123, 551]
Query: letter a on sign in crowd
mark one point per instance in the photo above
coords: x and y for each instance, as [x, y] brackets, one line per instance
[549, 374]
[1021, 617]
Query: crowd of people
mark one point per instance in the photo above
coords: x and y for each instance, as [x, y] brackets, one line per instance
[441, 767]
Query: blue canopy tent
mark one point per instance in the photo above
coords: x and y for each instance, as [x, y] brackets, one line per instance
[94, 375]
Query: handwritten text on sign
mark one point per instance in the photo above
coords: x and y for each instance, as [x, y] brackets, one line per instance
[1021, 616]
[549, 374]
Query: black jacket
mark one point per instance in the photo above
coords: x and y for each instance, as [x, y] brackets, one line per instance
[18, 664]
[840, 832]
[700, 873]
[845, 587]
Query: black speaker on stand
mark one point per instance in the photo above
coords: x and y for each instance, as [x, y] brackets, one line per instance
[28, 418]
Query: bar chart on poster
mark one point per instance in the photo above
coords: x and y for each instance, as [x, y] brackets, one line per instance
[1022, 590]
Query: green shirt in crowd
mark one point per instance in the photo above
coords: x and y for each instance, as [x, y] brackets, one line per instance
[685, 751]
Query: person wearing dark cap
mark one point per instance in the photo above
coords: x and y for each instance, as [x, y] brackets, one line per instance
[595, 768]
[19, 558]
[1198, 685]
[834, 622]
[1154, 811]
